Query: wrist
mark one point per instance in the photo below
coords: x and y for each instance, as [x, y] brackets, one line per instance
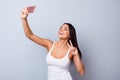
[23, 19]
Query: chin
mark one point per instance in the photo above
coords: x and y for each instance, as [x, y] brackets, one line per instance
[60, 37]
[63, 38]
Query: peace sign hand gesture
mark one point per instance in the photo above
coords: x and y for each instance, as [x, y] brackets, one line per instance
[73, 49]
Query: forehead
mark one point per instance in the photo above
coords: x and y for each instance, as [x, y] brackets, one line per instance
[64, 26]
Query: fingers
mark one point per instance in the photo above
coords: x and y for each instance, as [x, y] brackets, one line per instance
[68, 45]
[24, 13]
[73, 49]
[71, 43]
[76, 52]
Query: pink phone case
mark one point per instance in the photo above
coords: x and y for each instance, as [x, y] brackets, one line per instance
[31, 9]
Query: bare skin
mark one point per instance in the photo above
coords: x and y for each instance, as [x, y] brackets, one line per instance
[61, 46]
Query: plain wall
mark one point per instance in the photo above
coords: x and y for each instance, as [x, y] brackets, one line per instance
[97, 23]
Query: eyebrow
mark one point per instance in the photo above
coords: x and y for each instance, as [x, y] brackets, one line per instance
[64, 27]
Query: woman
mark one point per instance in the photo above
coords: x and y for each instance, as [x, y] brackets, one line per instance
[60, 53]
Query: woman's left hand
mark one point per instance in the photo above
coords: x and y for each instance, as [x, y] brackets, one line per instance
[73, 49]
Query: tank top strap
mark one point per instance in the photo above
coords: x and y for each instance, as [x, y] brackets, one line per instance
[52, 47]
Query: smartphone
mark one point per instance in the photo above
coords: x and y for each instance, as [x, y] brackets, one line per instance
[31, 9]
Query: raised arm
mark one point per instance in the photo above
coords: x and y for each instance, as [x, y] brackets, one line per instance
[29, 34]
[76, 58]
[79, 64]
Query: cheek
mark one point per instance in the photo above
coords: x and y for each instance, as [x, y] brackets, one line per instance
[67, 34]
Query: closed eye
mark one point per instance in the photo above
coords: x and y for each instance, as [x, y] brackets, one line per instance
[66, 29]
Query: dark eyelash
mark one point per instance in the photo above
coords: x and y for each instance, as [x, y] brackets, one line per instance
[65, 29]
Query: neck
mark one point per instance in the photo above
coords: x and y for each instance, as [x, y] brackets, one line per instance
[62, 42]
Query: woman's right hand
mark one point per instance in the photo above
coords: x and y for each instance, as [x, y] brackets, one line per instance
[24, 13]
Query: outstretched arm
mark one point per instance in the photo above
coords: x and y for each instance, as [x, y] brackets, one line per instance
[29, 34]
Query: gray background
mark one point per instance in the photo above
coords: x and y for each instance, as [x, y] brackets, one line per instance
[97, 23]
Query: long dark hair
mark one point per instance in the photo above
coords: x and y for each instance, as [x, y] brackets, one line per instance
[73, 38]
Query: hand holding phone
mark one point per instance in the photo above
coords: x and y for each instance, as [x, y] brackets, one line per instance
[31, 9]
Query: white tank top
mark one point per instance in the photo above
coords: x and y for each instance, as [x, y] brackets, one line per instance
[58, 68]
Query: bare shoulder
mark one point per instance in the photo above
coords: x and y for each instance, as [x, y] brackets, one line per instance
[49, 44]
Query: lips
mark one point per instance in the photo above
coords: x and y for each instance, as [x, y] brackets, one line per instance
[60, 33]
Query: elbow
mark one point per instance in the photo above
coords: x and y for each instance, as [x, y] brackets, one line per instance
[81, 71]
[28, 36]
